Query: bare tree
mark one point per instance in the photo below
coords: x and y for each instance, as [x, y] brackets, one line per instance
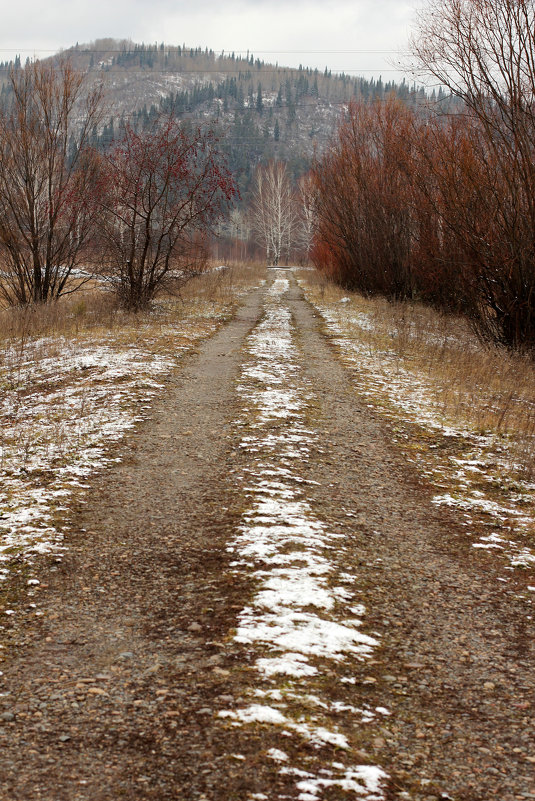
[484, 52]
[240, 232]
[165, 188]
[48, 181]
[273, 210]
[365, 224]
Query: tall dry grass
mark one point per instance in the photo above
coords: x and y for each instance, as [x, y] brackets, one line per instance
[224, 285]
[96, 309]
[92, 318]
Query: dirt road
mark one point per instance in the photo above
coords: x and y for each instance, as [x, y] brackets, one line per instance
[261, 602]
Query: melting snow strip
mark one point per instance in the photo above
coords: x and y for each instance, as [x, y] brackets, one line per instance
[300, 619]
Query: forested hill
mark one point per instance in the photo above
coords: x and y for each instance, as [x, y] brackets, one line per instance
[264, 111]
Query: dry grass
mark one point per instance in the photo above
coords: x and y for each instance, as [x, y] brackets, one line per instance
[92, 319]
[488, 389]
[95, 310]
[224, 286]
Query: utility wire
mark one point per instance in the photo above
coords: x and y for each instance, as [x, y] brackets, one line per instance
[186, 51]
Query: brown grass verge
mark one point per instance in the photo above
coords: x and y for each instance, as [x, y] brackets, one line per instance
[94, 308]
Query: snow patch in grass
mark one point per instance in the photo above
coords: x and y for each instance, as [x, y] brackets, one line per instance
[59, 415]
[278, 756]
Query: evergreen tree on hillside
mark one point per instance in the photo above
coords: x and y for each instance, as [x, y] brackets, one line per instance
[259, 100]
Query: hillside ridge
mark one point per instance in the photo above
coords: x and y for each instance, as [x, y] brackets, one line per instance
[262, 111]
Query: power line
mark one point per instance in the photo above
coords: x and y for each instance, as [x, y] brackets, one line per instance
[337, 72]
[226, 53]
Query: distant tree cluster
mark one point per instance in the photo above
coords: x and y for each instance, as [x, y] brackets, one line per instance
[281, 214]
[273, 211]
[442, 207]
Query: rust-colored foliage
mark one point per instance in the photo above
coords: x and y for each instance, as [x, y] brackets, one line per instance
[414, 204]
[425, 207]
[371, 224]
[484, 162]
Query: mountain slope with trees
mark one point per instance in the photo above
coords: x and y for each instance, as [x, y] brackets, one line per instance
[262, 111]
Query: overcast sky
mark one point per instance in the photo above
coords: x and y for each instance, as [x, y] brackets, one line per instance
[355, 36]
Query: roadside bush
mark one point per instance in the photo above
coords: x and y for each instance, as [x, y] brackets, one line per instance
[423, 207]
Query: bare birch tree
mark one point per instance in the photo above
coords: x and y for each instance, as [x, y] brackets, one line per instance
[273, 211]
[48, 181]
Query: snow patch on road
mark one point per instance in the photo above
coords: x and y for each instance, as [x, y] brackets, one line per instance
[364, 781]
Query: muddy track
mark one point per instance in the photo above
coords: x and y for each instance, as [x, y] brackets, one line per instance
[164, 665]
